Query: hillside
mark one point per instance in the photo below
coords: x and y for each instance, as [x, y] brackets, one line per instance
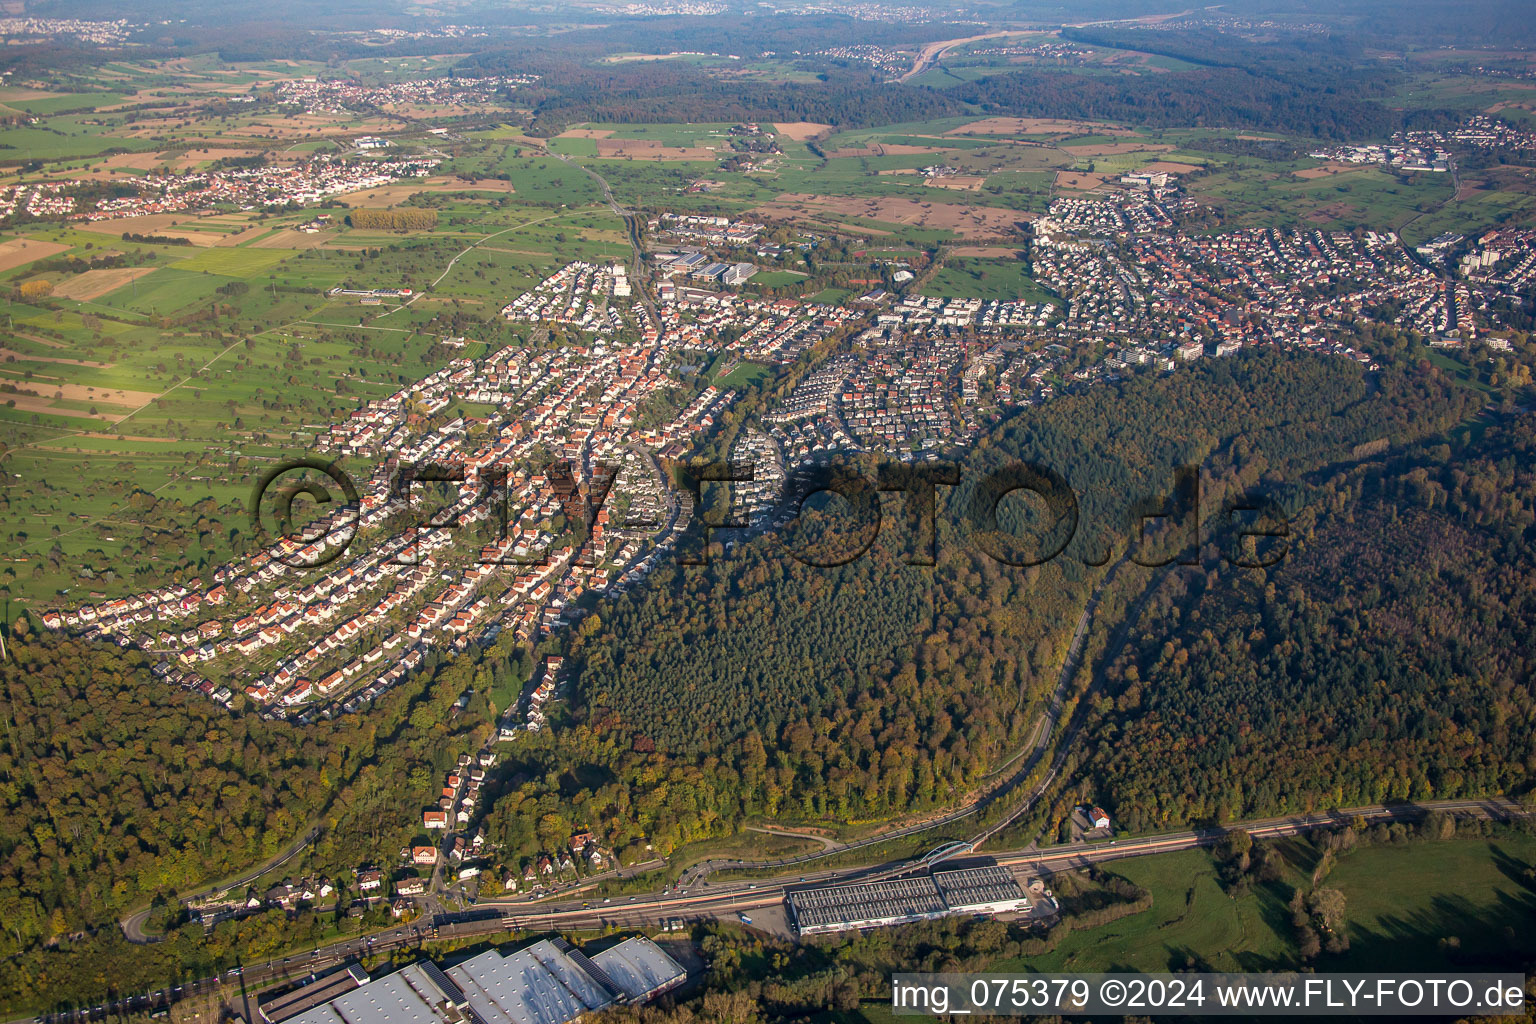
[1389, 658]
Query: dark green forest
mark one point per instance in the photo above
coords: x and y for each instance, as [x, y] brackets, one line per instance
[116, 791]
[1389, 658]
[731, 680]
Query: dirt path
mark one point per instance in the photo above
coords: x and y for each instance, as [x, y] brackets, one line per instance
[465, 252]
[826, 844]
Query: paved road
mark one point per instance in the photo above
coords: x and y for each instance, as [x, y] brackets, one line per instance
[930, 54]
[1453, 197]
[1069, 667]
[133, 926]
[1082, 855]
[827, 844]
[689, 903]
[631, 229]
[714, 900]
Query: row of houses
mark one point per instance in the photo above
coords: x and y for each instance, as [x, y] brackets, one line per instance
[455, 805]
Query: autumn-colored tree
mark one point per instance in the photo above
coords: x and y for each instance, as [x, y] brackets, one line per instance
[37, 288]
[396, 219]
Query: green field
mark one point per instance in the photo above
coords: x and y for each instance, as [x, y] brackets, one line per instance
[1363, 198]
[777, 278]
[987, 279]
[240, 344]
[1472, 213]
[675, 134]
[57, 142]
[744, 374]
[152, 387]
[233, 261]
[1401, 900]
[1459, 905]
[44, 105]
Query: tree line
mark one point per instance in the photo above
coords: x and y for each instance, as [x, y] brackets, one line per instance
[405, 218]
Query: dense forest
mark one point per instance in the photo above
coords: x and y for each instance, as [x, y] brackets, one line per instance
[1307, 82]
[759, 686]
[1390, 657]
[409, 219]
[1203, 97]
[664, 91]
[116, 790]
[1316, 84]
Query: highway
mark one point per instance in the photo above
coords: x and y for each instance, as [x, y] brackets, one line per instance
[932, 52]
[651, 910]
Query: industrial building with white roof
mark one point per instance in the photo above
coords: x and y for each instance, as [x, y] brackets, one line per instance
[548, 982]
[979, 890]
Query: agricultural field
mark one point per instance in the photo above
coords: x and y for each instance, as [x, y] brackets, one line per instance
[997, 173]
[227, 243]
[1472, 209]
[1466, 888]
[169, 351]
[126, 387]
[1364, 197]
[232, 262]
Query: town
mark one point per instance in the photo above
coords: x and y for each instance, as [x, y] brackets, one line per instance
[317, 96]
[1429, 150]
[679, 510]
[580, 433]
[268, 186]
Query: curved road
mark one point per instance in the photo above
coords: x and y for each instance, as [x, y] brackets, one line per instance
[631, 229]
[1035, 748]
[930, 54]
[491, 918]
[133, 926]
[828, 844]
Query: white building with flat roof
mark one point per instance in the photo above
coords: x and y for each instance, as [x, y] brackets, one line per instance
[548, 982]
[737, 273]
[990, 889]
[412, 995]
[640, 968]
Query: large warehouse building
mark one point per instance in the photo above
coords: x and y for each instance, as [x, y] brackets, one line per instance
[545, 983]
[982, 890]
